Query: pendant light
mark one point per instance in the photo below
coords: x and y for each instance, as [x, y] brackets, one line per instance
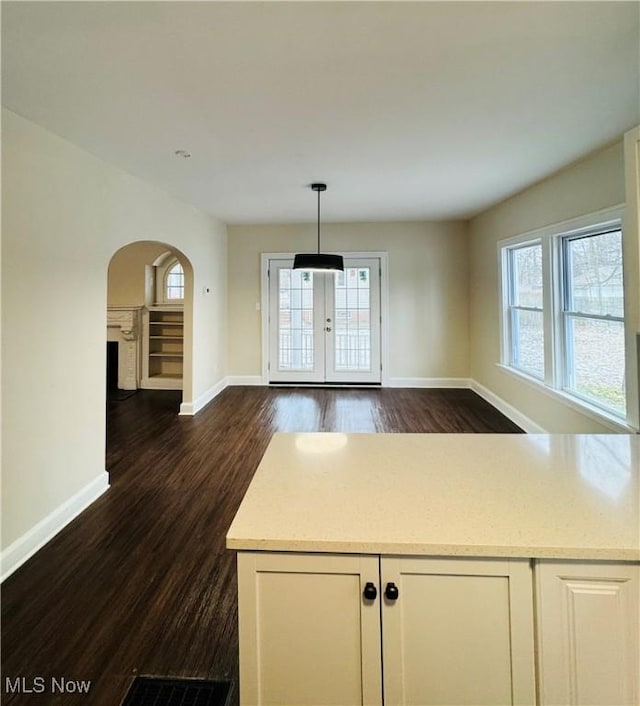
[318, 262]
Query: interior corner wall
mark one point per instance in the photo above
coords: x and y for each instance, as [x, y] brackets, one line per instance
[594, 183]
[427, 268]
[65, 213]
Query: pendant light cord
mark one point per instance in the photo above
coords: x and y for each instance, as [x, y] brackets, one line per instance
[318, 222]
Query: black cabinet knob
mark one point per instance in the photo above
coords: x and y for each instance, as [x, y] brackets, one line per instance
[370, 591]
[391, 592]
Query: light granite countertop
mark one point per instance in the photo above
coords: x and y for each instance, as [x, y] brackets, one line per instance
[482, 495]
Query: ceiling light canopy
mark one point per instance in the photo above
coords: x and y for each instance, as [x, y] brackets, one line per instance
[318, 262]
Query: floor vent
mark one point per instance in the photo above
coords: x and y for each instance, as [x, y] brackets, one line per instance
[163, 691]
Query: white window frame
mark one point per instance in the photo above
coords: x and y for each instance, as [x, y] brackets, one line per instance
[165, 286]
[566, 367]
[161, 273]
[554, 383]
[510, 307]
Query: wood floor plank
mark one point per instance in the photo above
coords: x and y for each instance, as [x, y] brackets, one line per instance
[141, 582]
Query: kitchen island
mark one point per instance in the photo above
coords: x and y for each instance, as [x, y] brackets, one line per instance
[440, 568]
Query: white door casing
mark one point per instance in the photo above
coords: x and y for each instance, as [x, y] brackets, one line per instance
[321, 327]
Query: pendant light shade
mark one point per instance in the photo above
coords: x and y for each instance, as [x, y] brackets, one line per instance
[318, 262]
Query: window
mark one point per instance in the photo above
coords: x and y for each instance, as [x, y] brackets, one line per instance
[563, 310]
[593, 318]
[174, 283]
[525, 322]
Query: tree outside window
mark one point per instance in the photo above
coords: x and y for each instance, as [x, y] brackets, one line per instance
[525, 321]
[593, 316]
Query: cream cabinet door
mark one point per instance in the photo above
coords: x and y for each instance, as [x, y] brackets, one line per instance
[307, 635]
[588, 628]
[459, 632]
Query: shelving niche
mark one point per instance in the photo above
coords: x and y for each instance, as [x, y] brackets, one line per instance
[163, 345]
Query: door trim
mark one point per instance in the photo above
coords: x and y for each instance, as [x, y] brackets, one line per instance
[384, 308]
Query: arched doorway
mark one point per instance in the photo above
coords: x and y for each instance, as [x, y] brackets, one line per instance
[149, 319]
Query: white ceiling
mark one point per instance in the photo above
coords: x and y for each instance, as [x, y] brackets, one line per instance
[409, 111]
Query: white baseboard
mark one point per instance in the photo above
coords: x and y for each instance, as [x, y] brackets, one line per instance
[190, 408]
[508, 410]
[26, 546]
[429, 382]
[465, 383]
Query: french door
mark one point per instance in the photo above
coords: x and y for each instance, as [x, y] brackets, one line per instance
[324, 327]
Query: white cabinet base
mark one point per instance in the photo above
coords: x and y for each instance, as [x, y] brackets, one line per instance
[588, 628]
[306, 638]
[460, 632]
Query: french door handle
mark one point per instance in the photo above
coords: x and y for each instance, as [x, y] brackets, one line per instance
[328, 328]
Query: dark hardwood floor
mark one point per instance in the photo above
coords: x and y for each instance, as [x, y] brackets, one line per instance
[141, 582]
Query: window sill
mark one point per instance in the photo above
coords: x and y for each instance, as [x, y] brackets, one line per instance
[614, 423]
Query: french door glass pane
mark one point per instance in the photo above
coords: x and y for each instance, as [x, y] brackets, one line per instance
[528, 341]
[352, 325]
[595, 356]
[295, 319]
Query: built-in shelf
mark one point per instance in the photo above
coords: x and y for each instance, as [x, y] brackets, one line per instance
[163, 348]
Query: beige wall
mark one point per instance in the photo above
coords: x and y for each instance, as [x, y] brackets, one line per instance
[592, 184]
[126, 278]
[428, 320]
[65, 213]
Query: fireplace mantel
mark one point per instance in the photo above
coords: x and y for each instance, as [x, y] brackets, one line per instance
[123, 326]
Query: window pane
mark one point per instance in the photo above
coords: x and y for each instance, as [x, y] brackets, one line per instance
[295, 319]
[352, 323]
[526, 333]
[527, 276]
[174, 283]
[528, 341]
[595, 353]
[594, 274]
